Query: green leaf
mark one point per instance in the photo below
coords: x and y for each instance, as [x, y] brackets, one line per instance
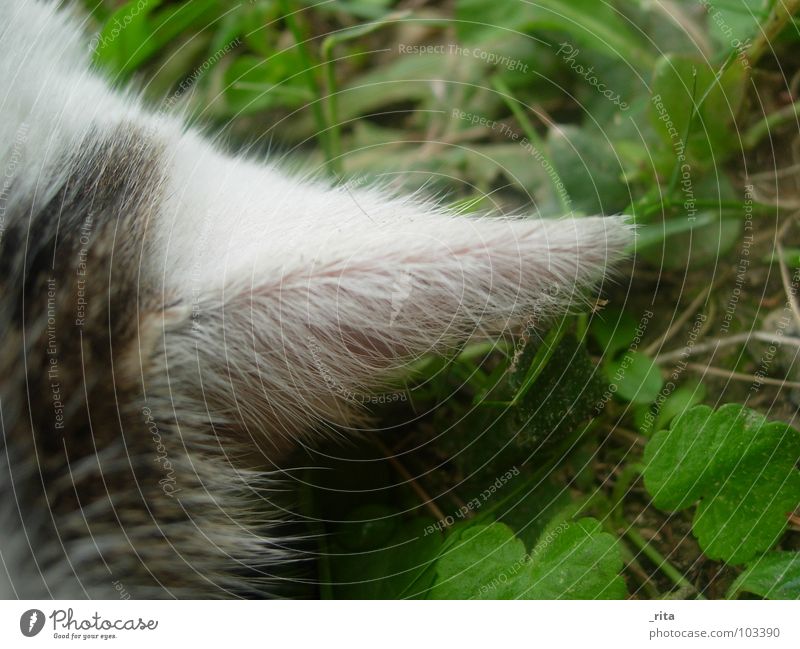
[676, 460]
[259, 28]
[593, 25]
[563, 396]
[589, 168]
[548, 394]
[675, 404]
[732, 22]
[650, 237]
[124, 38]
[480, 562]
[740, 468]
[253, 84]
[637, 377]
[407, 78]
[679, 83]
[396, 567]
[775, 575]
[576, 561]
[370, 9]
[534, 360]
[692, 243]
[479, 21]
[570, 561]
[357, 31]
[174, 21]
[613, 329]
[530, 513]
[135, 33]
[693, 238]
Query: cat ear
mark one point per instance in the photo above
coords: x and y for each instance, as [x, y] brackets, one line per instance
[306, 340]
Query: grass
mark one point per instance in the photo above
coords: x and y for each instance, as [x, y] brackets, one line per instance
[365, 88]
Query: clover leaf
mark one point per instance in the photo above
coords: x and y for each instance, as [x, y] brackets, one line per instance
[637, 377]
[571, 560]
[739, 467]
[775, 575]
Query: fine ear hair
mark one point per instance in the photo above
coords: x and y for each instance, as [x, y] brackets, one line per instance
[283, 343]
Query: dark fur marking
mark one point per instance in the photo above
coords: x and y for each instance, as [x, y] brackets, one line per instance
[98, 500]
[69, 283]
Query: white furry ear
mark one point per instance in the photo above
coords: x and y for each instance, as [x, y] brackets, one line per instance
[302, 330]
